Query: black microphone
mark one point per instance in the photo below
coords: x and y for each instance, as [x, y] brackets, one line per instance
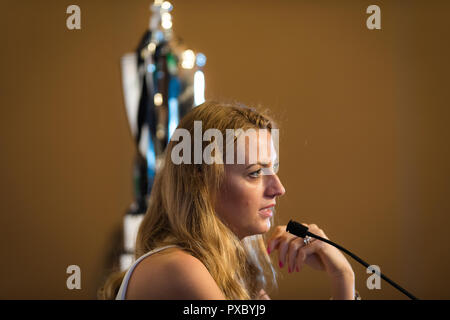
[302, 231]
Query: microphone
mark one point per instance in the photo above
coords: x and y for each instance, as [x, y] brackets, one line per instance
[301, 231]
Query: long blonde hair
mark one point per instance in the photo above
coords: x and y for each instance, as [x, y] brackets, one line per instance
[181, 212]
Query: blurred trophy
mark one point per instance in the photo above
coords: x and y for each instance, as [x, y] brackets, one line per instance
[162, 81]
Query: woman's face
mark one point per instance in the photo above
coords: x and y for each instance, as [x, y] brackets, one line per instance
[248, 193]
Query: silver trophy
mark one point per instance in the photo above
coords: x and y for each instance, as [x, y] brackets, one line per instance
[162, 80]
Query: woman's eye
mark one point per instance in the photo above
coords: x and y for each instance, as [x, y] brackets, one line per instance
[255, 174]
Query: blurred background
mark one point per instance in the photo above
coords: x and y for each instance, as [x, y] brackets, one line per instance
[364, 138]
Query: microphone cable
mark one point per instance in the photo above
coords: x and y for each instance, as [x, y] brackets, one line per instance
[301, 231]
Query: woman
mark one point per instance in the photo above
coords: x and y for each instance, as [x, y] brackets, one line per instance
[203, 236]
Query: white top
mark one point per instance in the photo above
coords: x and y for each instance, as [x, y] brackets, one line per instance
[123, 287]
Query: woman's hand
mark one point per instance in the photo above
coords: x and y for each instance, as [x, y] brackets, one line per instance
[319, 255]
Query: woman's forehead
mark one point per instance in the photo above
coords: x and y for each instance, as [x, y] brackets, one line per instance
[257, 147]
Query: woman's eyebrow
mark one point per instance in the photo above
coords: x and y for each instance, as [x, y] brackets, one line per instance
[262, 164]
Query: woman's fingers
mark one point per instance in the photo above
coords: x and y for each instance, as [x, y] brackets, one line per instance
[283, 249]
[308, 254]
[294, 248]
[274, 241]
[287, 245]
[303, 253]
[301, 257]
[293, 252]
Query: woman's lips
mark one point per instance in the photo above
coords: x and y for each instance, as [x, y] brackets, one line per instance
[266, 212]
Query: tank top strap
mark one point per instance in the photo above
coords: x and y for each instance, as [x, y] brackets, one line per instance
[123, 287]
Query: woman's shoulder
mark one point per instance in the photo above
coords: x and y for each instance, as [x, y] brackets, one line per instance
[172, 274]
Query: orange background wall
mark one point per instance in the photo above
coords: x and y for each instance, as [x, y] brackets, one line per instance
[364, 131]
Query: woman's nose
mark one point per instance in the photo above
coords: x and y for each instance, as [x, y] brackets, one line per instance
[275, 187]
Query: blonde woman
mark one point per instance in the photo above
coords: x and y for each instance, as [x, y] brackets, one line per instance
[204, 234]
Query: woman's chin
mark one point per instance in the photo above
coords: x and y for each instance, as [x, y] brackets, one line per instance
[268, 224]
[265, 226]
[262, 227]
